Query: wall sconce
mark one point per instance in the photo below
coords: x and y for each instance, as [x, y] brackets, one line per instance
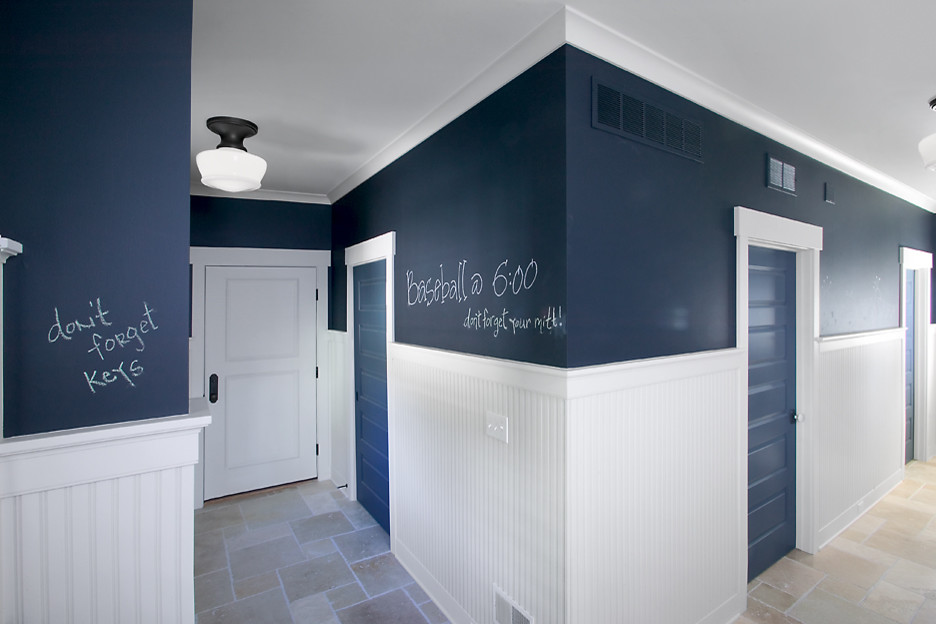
[229, 167]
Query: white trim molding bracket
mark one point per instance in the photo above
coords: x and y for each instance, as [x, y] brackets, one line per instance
[8, 249]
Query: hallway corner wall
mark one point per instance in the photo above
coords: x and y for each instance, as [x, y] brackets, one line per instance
[469, 512]
[657, 491]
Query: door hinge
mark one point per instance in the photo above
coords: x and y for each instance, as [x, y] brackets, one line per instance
[316, 294]
[316, 450]
[316, 372]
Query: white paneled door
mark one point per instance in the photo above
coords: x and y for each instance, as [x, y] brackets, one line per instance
[260, 377]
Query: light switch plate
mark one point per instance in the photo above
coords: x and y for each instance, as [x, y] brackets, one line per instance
[496, 426]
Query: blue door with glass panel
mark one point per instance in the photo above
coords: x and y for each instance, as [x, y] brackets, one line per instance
[771, 407]
[370, 390]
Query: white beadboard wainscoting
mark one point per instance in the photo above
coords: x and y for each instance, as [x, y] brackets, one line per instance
[657, 472]
[467, 510]
[618, 483]
[859, 428]
[96, 524]
[929, 450]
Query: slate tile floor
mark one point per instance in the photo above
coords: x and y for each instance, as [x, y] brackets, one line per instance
[300, 554]
[881, 570]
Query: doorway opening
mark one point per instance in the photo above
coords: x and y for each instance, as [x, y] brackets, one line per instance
[915, 270]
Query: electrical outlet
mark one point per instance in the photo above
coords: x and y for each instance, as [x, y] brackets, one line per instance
[496, 426]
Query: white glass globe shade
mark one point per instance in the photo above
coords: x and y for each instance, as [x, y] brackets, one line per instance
[230, 169]
[928, 152]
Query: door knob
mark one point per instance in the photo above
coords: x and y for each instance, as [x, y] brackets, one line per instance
[213, 388]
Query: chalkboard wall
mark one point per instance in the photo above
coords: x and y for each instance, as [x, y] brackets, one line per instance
[479, 213]
[651, 233]
[95, 178]
[634, 243]
[237, 222]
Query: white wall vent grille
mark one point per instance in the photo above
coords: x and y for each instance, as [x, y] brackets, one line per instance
[632, 118]
[506, 611]
[781, 176]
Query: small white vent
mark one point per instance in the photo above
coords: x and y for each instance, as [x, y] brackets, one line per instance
[780, 175]
[506, 611]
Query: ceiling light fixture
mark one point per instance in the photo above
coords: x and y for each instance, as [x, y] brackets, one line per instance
[927, 146]
[927, 149]
[229, 167]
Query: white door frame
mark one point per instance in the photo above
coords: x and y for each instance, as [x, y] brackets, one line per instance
[382, 247]
[805, 240]
[202, 257]
[8, 249]
[921, 263]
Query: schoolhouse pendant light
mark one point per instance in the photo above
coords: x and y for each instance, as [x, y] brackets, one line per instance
[927, 149]
[927, 146]
[229, 167]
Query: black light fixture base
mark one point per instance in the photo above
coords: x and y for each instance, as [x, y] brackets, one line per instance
[232, 130]
[932, 104]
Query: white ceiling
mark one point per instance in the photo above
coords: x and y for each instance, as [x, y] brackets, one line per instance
[341, 87]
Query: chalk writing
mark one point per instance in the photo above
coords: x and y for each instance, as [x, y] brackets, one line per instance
[103, 340]
[133, 334]
[507, 280]
[110, 376]
[98, 312]
[505, 321]
[518, 279]
[442, 288]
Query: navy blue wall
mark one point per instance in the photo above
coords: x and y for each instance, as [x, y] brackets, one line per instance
[235, 222]
[647, 236]
[488, 188]
[95, 183]
[651, 234]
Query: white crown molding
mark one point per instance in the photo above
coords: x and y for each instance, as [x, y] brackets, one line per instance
[590, 36]
[537, 45]
[198, 189]
[575, 28]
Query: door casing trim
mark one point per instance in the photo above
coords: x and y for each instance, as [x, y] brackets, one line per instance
[805, 240]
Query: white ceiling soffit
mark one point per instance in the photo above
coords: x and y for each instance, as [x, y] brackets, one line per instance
[357, 84]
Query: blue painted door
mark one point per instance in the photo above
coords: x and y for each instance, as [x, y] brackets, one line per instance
[771, 407]
[909, 302]
[370, 390]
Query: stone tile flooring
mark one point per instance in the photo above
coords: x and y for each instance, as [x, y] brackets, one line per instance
[300, 554]
[880, 570]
